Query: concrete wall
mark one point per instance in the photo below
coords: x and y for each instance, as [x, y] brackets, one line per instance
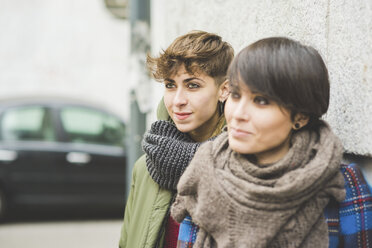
[340, 30]
[73, 48]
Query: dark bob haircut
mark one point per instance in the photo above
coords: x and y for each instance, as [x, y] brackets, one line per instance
[287, 72]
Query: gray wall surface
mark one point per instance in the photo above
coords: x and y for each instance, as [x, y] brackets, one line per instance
[340, 30]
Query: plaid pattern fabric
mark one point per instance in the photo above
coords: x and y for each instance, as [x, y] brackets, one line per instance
[349, 223]
[187, 234]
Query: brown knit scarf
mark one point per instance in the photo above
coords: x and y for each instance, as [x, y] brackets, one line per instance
[237, 203]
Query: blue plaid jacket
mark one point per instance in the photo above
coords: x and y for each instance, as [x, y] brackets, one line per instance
[349, 222]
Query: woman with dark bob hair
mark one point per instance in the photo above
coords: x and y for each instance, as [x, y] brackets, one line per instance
[275, 178]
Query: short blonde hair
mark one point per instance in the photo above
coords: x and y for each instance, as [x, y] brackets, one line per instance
[198, 51]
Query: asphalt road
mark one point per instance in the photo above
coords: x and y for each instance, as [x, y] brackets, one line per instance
[61, 234]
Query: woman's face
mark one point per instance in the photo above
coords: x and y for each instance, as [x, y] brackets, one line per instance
[257, 125]
[191, 101]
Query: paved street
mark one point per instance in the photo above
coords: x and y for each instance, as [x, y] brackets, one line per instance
[69, 234]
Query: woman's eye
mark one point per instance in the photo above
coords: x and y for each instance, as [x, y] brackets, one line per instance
[169, 85]
[235, 95]
[192, 85]
[261, 100]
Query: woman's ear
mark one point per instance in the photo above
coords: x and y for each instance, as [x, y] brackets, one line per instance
[300, 120]
[223, 91]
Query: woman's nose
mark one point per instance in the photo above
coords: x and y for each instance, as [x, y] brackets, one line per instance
[242, 111]
[180, 98]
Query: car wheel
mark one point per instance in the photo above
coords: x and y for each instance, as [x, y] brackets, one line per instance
[2, 205]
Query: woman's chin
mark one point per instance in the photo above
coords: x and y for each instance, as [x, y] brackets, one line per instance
[184, 128]
[238, 146]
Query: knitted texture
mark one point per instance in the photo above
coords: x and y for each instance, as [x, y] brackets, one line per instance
[171, 233]
[237, 203]
[168, 153]
[348, 222]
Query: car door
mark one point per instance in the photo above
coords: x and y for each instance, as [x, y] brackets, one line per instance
[29, 155]
[96, 161]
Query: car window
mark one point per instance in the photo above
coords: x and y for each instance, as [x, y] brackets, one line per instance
[27, 123]
[85, 125]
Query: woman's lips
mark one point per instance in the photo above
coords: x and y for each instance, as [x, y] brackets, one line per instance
[239, 133]
[182, 116]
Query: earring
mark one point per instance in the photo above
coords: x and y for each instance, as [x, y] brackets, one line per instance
[221, 106]
[297, 126]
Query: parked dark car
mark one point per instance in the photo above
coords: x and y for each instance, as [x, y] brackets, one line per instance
[60, 153]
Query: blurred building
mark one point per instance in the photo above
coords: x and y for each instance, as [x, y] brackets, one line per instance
[65, 48]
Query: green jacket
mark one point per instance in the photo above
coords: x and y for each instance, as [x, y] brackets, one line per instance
[147, 204]
[146, 207]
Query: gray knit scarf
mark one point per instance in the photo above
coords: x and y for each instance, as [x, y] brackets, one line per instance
[168, 153]
[237, 203]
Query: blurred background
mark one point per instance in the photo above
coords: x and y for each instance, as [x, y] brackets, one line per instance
[75, 98]
[64, 108]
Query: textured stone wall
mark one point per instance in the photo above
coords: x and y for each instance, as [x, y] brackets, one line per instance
[340, 30]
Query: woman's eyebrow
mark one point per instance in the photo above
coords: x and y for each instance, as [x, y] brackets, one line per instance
[169, 80]
[192, 78]
[234, 87]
